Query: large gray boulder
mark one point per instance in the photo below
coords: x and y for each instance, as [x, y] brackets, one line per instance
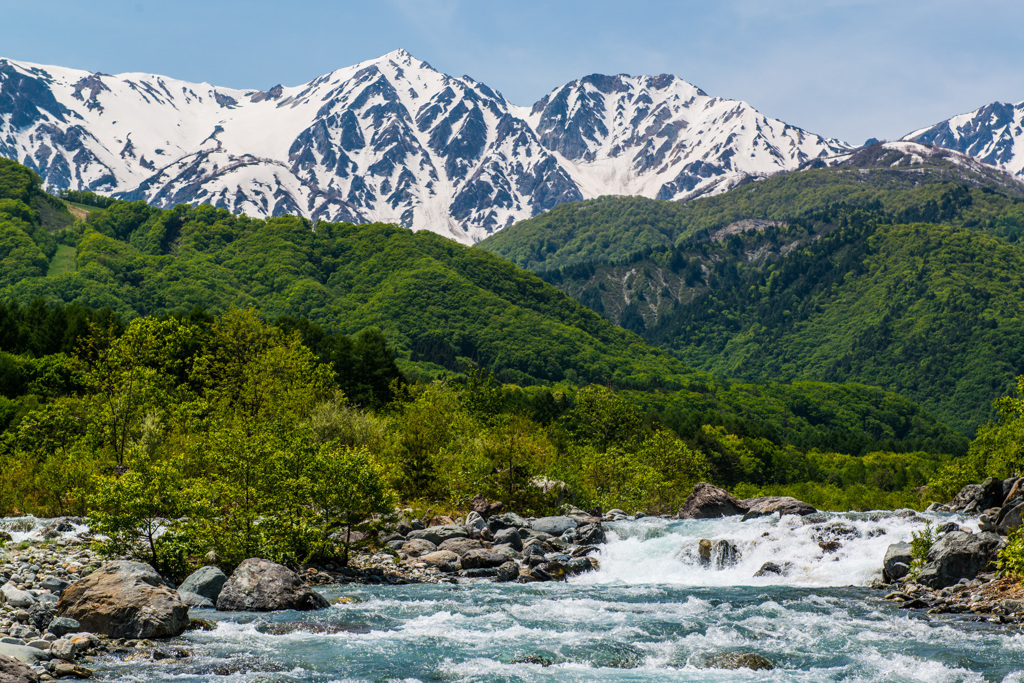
[445, 560]
[205, 581]
[959, 555]
[460, 546]
[556, 526]
[15, 671]
[707, 502]
[482, 559]
[1010, 519]
[24, 653]
[505, 520]
[897, 561]
[438, 534]
[769, 505]
[259, 585]
[125, 600]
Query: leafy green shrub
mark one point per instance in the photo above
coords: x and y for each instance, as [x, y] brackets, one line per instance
[920, 545]
[1011, 558]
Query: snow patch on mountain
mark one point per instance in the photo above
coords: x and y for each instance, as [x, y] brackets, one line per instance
[389, 139]
[994, 134]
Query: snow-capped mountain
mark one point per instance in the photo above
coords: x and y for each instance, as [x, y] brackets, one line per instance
[994, 134]
[390, 139]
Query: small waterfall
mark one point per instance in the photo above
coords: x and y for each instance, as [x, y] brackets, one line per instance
[821, 550]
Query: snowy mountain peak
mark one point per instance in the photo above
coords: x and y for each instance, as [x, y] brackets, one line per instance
[994, 133]
[388, 139]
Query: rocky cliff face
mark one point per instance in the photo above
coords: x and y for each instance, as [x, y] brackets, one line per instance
[391, 140]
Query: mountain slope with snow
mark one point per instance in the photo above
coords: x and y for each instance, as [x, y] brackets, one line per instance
[994, 134]
[391, 139]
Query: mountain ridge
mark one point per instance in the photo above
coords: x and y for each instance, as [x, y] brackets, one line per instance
[389, 139]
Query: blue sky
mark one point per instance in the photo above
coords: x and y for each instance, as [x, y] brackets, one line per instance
[850, 69]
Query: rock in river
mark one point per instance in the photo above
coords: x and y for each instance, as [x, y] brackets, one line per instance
[259, 585]
[707, 502]
[205, 581]
[125, 600]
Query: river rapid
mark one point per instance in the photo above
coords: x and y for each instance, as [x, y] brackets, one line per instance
[655, 611]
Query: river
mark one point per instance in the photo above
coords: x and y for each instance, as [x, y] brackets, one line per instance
[654, 612]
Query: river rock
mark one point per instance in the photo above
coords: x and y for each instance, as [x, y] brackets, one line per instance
[69, 670]
[590, 534]
[707, 502]
[556, 526]
[460, 546]
[505, 520]
[61, 626]
[896, 554]
[784, 505]
[958, 555]
[773, 569]
[445, 560]
[417, 546]
[509, 536]
[438, 534]
[125, 600]
[509, 571]
[482, 559]
[1010, 519]
[1012, 487]
[475, 523]
[15, 597]
[24, 653]
[259, 585]
[54, 584]
[206, 581]
[195, 600]
[735, 660]
[14, 671]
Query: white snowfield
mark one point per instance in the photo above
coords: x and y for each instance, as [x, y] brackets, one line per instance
[390, 140]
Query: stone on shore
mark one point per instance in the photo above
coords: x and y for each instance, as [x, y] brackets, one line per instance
[438, 534]
[195, 600]
[205, 581]
[482, 559]
[24, 653]
[959, 555]
[14, 671]
[125, 600]
[259, 585]
[61, 626]
[460, 546]
[784, 505]
[556, 526]
[1010, 519]
[15, 597]
[708, 502]
[445, 560]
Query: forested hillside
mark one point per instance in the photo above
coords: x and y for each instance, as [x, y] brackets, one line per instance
[892, 277]
[384, 340]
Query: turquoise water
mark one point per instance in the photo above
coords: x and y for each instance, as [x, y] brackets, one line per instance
[650, 614]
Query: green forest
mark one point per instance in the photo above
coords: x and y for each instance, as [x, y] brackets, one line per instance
[220, 369]
[829, 275]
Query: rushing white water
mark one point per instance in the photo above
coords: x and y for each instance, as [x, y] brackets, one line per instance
[657, 551]
[654, 612]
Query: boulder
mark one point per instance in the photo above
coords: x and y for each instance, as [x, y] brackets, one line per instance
[195, 600]
[735, 660]
[509, 536]
[474, 524]
[438, 534]
[590, 534]
[482, 559]
[460, 546]
[125, 600]
[15, 597]
[1010, 518]
[24, 653]
[556, 526]
[417, 547]
[772, 569]
[445, 560]
[259, 585]
[61, 626]
[508, 571]
[54, 584]
[14, 671]
[482, 507]
[505, 520]
[707, 502]
[896, 554]
[959, 555]
[784, 505]
[1012, 487]
[205, 581]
